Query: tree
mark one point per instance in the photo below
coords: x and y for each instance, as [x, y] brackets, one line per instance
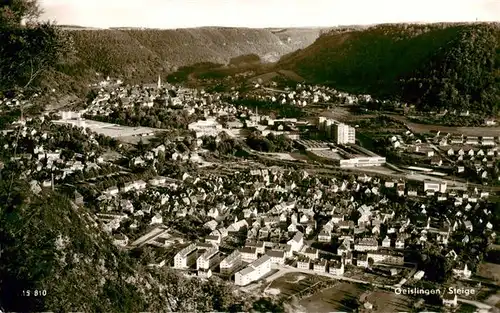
[28, 47]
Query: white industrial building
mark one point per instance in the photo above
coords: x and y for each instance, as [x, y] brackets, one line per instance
[255, 271]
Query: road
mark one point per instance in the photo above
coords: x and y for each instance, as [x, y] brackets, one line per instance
[467, 131]
[482, 307]
[285, 269]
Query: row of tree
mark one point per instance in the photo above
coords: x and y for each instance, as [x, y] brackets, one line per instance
[155, 117]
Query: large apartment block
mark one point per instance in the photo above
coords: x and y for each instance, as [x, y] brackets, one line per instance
[231, 262]
[208, 258]
[255, 271]
[186, 257]
[341, 133]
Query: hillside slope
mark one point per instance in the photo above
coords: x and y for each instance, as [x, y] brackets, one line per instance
[432, 66]
[140, 55]
[55, 258]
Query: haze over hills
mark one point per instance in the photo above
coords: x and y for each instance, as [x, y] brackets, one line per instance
[432, 66]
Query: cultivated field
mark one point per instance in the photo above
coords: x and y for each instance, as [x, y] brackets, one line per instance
[344, 115]
[489, 271]
[388, 301]
[467, 131]
[293, 283]
[341, 297]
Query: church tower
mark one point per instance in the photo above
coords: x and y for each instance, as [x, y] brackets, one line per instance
[159, 82]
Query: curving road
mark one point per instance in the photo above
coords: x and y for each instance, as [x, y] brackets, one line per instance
[285, 269]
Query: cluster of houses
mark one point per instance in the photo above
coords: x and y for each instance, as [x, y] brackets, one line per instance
[212, 107]
[276, 211]
[304, 94]
[42, 152]
[452, 154]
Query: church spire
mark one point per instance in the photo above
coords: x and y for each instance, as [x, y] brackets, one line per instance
[159, 82]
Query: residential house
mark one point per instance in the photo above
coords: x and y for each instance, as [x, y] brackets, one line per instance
[120, 240]
[366, 244]
[412, 193]
[303, 263]
[277, 257]
[400, 243]
[319, 266]
[208, 258]
[344, 248]
[435, 186]
[472, 140]
[336, 268]
[111, 191]
[325, 236]
[248, 254]
[296, 242]
[386, 256]
[468, 225]
[386, 243]
[258, 245]
[450, 299]
[436, 161]
[213, 239]
[311, 253]
[285, 248]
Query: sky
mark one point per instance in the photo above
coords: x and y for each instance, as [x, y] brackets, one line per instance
[263, 13]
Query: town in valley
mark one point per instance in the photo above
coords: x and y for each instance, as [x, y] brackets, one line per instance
[166, 156]
[320, 203]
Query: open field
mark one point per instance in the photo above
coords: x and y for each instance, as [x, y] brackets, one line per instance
[388, 301]
[343, 114]
[111, 130]
[489, 271]
[340, 297]
[494, 300]
[292, 283]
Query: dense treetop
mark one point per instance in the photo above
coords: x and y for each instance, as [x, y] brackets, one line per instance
[29, 48]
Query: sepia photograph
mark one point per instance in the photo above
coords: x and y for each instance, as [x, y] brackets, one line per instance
[283, 156]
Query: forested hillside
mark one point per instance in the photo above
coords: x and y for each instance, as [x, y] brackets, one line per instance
[140, 55]
[55, 258]
[431, 66]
